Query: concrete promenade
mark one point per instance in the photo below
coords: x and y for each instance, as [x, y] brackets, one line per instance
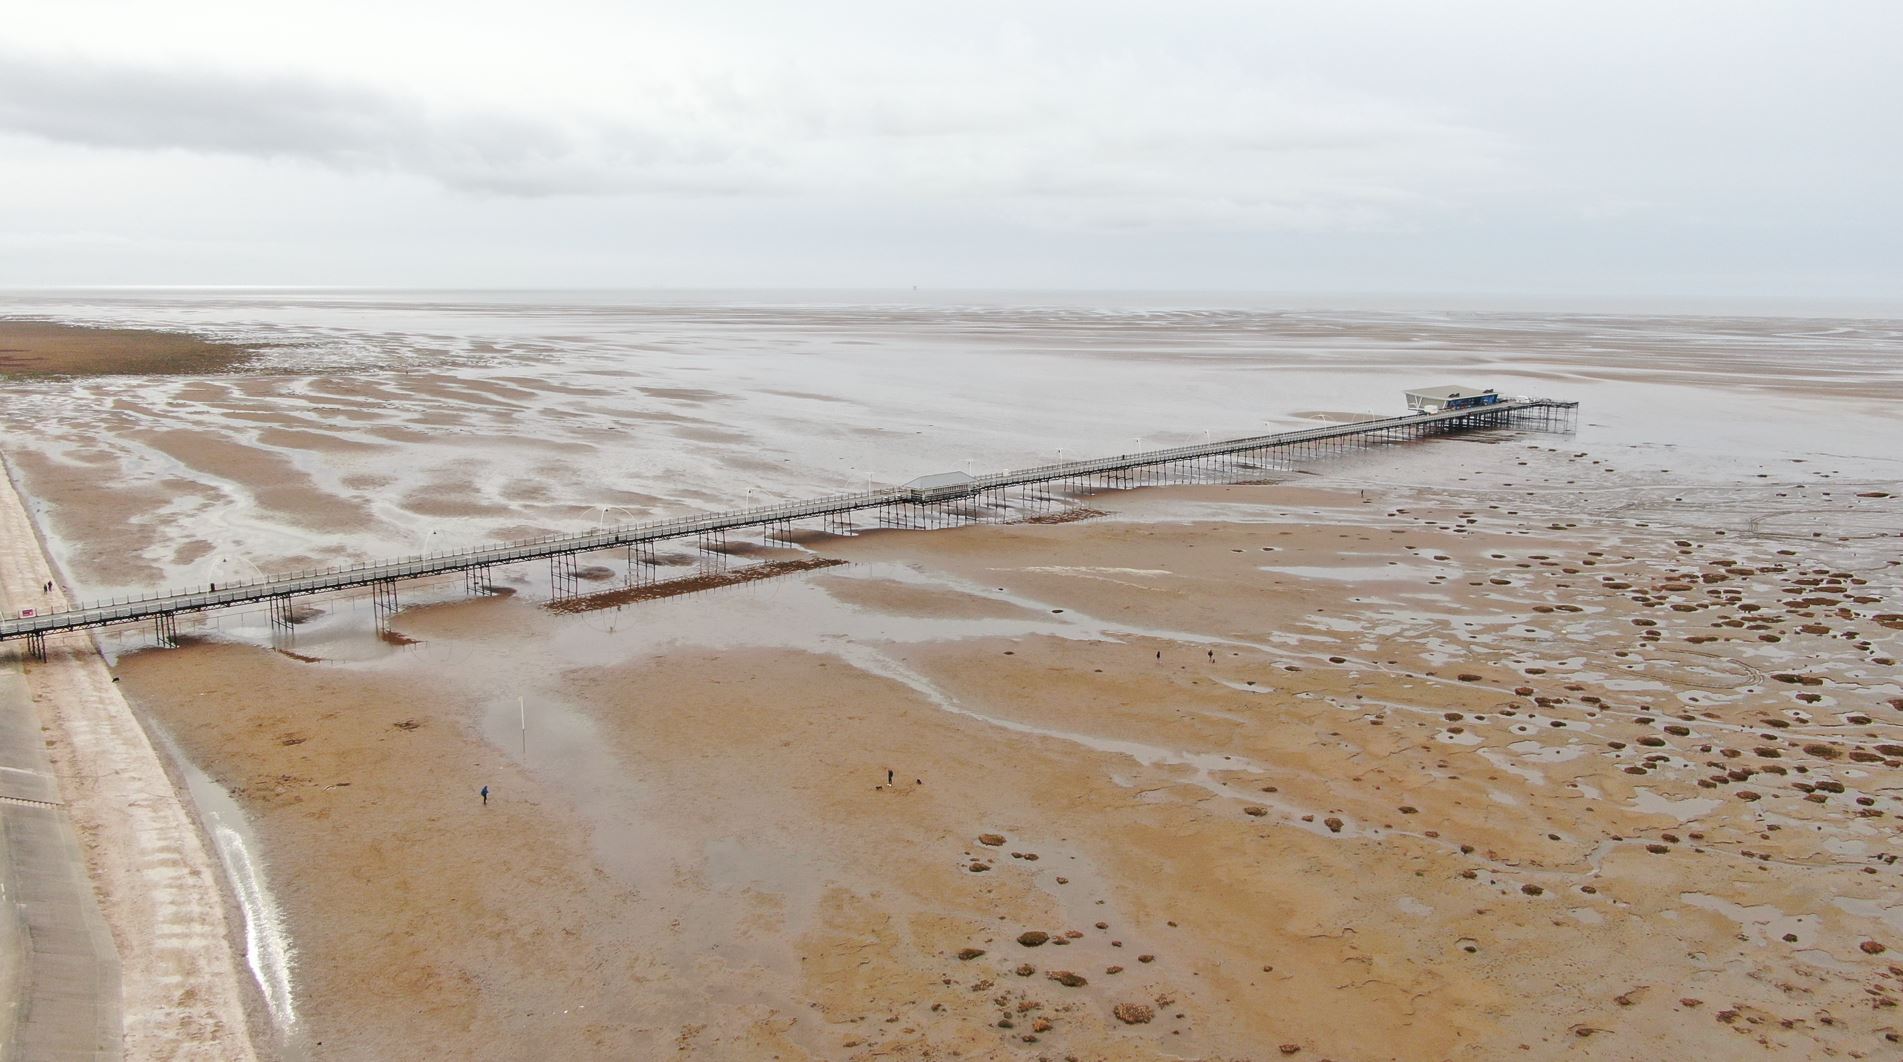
[59, 971]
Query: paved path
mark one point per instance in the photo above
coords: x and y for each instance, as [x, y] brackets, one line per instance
[61, 972]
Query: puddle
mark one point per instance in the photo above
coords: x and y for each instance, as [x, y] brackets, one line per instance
[1646, 802]
[1891, 916]
[1538, 753]
[1762, 923]
[552, 739]
[1500, 759]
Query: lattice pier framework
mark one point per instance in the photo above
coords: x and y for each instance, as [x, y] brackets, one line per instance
[1000, 496]
[165, 630]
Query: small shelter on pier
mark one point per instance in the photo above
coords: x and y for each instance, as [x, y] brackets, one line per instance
[1449, 396]
[942, 485]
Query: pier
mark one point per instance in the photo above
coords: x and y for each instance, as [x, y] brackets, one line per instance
[934, 501]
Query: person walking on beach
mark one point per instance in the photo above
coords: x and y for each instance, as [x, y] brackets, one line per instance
[888, 776]
[485, 796]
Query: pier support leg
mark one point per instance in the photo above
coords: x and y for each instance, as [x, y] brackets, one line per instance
[281, 625]
[562, 580]
[642, 562]
[713, 555]
[383, 603]
[36, 646]
[165, 630]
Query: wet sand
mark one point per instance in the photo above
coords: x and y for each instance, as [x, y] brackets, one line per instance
[35, 349]
[398, 427]
[1510, 794]
[1467, 749]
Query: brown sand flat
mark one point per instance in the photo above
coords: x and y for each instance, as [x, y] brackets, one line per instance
[45, 348]
[1428, 815]
[103, 524]
[368, 392]
[471, 395]
[281, 486]
[321, 442]
[452, 498]
[320, 762]
[1387, 775]
[553, 387]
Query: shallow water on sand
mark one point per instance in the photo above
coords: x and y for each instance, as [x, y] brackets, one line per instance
[381, 424]
[268, 951]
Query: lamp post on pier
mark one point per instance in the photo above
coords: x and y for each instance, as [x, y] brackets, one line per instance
[601, 516]
[226, 559]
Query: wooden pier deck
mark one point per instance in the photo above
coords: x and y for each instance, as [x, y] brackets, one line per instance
[956, 501]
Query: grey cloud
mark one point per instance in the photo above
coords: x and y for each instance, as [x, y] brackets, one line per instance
[342, 126]
[1067, 147]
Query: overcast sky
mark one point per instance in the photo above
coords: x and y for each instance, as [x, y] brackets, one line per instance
[1667, 147]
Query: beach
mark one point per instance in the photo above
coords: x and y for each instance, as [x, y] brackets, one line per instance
[1581, 745]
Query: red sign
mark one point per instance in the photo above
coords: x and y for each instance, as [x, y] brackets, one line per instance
[25, 612]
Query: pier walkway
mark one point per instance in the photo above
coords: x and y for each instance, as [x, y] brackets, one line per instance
[955, 497]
